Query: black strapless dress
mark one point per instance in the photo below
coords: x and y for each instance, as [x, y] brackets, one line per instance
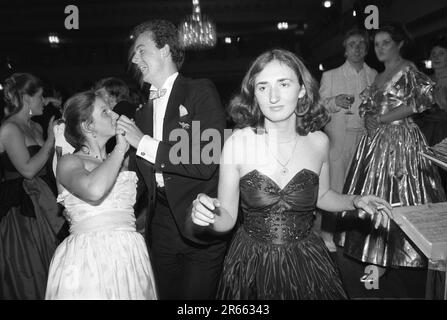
[274, 253]
[30, 220]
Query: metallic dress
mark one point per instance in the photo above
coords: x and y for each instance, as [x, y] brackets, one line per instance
[387, 164]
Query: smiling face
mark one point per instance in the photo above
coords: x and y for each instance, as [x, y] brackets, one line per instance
[103, 119]
[386, 48]
[355, 50]
[35, 102]
[277, 90]
[148, 58]
[438, 57]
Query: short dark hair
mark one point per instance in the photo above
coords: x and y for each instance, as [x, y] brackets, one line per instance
[16, 86]
[397, 32]
[356, 32]
[245, 110]
[115, 87]
[163, 32]
[78, 109]
[439, 41]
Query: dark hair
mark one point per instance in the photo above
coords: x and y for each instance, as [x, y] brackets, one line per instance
[163, 32]
[16, 86]
[115, 87]
[397, 32]
[439, 41]
[356, 32]
[78, 109]
[244, 108]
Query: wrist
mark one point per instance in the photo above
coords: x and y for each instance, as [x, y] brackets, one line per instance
[355, 201]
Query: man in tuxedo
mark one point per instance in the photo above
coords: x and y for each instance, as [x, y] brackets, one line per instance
[187, 259]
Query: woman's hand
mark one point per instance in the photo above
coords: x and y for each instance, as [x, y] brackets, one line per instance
[121, 143]
[50, 130]
[202, 210]
[371, 205]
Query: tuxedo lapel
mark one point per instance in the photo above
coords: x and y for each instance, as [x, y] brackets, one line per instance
[145, 118]
[176, 98]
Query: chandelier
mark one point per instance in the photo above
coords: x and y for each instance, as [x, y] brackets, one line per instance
[197, 31]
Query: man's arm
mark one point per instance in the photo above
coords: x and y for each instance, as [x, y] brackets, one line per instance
[210, 114]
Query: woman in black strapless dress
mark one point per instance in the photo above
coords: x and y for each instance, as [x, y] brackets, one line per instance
[277, 166]
[29, 219]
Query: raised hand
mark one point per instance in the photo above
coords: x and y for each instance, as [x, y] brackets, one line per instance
[121, 143]
[50, 130]
[131, 132]
[202, 210]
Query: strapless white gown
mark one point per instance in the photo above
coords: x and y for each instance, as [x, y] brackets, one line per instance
[104, 257]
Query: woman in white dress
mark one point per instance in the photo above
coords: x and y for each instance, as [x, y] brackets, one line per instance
[104, 257]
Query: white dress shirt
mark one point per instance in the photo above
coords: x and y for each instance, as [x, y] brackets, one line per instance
[347, 80]
[147, 148]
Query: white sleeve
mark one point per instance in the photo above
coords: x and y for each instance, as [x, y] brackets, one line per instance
[147, 148]
[326, 93]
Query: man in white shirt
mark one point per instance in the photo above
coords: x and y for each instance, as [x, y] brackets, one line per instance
[187, 260]
[346, 127]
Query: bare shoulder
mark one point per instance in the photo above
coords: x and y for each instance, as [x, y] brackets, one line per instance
[318, 137]
[9, 129]
[319, 140]
[69, 162]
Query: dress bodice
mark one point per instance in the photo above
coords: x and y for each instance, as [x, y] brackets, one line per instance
[278, 215]
[114, 212]
[408, 87]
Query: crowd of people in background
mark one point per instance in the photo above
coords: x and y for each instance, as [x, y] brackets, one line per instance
[116, 218]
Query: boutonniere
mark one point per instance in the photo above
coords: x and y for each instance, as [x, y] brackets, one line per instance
[184, 125]
[182, 111]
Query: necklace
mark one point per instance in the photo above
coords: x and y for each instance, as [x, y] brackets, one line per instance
[284, 170]
[98, 157]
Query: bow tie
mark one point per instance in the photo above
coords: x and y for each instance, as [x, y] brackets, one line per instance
[155, 94]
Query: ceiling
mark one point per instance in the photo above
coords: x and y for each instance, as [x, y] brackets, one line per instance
[99, 47]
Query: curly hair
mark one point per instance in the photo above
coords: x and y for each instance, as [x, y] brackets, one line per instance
[245, 110]
[78, 109]
[15, 87]
[163, 32]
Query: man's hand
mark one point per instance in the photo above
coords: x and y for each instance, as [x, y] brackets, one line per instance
[342, 101]
[202, 207]
[129, 130]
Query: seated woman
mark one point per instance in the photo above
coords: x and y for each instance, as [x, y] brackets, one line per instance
[277, 164]
[104, 257]
[29, 216]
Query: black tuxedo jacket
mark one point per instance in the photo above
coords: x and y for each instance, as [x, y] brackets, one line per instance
[184, 181]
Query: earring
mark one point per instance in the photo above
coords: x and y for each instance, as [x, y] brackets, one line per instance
[30, 112]
[94, 134]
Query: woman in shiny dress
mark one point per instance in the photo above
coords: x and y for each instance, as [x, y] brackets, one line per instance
[104, 257]
[387, 162]
[277, 165]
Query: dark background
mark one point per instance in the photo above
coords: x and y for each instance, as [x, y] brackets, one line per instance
[100, 47]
